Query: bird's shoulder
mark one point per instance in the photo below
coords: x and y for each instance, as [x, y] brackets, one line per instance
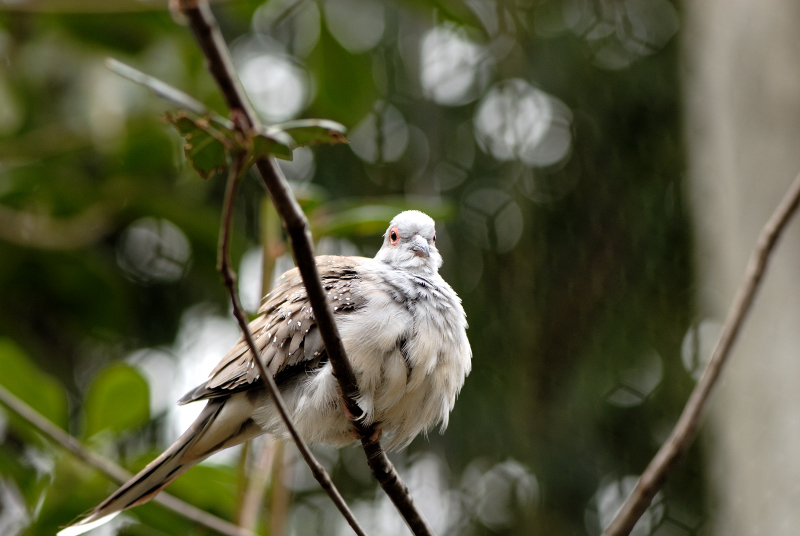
[285, 331]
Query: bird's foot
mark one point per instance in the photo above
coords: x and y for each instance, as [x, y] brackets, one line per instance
[376, 434]
[374, 438]
[348, 413]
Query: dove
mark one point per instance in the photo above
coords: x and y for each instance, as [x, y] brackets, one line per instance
[403, 328]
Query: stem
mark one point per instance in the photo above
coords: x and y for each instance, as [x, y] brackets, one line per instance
[206, 31]
[654, 477]
[224, 265]
[251, 504]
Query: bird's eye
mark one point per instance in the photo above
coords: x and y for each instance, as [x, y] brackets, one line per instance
[434, 238]
[394, 237]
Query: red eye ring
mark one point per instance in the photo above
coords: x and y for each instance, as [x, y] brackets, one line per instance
[394, 236]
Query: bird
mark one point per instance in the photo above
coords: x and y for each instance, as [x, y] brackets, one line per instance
[403, 329]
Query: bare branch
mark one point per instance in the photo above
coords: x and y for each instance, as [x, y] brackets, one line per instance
[253, 498]
[393, 485]
[280, 496]
[110, 469]
[234, 172]
[685, 430]
[163, 90]
[206, 31]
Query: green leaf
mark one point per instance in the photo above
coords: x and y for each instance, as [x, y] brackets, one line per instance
[209, 487]
[206, 145]
[118, 399]
[273, 142]
[30, 384]
[314, 131]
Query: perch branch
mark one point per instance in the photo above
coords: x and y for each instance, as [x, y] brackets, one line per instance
[226, 222]
[685, 430]
[111, 469]
[206, 31]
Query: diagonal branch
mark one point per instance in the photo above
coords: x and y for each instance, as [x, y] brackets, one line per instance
[685, 430]
[206, 31]
[111, 469]
[235, 172]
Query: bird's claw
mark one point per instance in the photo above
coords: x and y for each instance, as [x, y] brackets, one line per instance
[373, 438]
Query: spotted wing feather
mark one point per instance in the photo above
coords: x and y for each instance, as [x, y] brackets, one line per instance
[285, 332]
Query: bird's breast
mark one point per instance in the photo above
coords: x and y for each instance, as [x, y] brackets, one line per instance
[408, 348]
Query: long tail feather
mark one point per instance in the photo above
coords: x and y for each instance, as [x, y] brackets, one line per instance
[222, 424]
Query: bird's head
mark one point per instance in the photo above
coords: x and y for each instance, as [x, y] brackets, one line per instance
[410, 244]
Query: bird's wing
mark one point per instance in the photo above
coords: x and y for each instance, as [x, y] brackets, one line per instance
[286, 332]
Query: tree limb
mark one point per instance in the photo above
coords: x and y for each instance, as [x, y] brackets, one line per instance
[234, 174]
[111, 469]
[206, 31]
[685, 430]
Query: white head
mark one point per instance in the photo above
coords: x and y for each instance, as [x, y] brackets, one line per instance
[410, 244]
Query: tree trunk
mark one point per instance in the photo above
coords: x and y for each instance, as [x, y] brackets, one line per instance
[742, 120]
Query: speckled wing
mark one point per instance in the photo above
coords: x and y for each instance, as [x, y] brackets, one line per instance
[286, 332]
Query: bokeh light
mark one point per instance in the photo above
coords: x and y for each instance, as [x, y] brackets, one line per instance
[357, 25]
[609, 498]
[517, 121]
[633, 384]
[620, 32]
[455, 69]
[293, 23]
[382, 136]
[300, 169]
[278, 87]
[493, 219]
[698, 344]
[153, 250]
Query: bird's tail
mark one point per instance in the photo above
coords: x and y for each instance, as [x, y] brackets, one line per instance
[216, 428]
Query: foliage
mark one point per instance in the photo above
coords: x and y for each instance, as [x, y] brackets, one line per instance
[574, 272]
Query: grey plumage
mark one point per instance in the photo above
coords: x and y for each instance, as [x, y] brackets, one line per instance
[403, 328]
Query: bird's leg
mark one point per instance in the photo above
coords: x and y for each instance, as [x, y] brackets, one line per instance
[376, 434]
[347, 412]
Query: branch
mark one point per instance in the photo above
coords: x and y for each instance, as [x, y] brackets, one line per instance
[280, 496]
[209, 38]
[110, 469]
[234, 173]
[253, 498]
[685, 430]
[386, 475]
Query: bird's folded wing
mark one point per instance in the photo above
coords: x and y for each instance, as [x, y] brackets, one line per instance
[285, 332]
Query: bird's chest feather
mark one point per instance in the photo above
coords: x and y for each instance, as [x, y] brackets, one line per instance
[404, 348]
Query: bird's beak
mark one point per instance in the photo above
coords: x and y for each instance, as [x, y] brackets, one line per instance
[420, 247]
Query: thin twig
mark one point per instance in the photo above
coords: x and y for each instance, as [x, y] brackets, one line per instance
[224, 266]
[111, 469]
[264, 458]
[253, 498]
[206, 31]
[685, 430]
[280, 496]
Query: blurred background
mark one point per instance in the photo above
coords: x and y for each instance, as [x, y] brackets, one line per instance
[598, 170]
